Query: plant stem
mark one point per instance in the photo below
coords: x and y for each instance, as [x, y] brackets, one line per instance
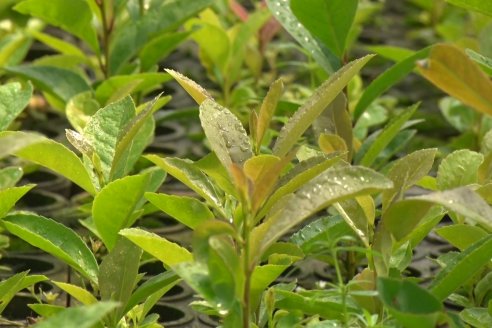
[106, 35]
[247, 272]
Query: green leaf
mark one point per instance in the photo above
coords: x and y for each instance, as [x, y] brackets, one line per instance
[384, 81]
[389, 132]
[115, 204]
[412, 305]
[55, 239]
[86, 316]
[463, 267]
[14, 284]
[61, 83]
[159, 48]
[315, 104]
[483, 61]
[298, 176]
[14, 97]
[9, 176]
[476, 317]
[225, 133]
[460, 116]
[312, 302]
[458, 169]
[80, 294]
[483, 7]
[74, 17]
[198, 93]
[165, 251]
[461, 235]
[47, 153]
[80, 109]
[262, 277]
[129, 39]
[189, 174]
[406, 172]
[104, 131]
[403, 216]
[282, 12]
[60, 45]
[187, 210]
[267, 109]
[162, 282]
[118, 275]
[46, 310]
[146, 82]
[10, 196]
[329, 21]
[450, 69]
[333, 185]
[135, 137]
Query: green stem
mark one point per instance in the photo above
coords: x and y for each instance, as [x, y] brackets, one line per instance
[247, 273]
[106, 35]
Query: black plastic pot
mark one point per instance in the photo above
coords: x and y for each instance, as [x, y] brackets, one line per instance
[44, 203]
[35, 263]
[171, 315]
[161, 224]
[48, 181]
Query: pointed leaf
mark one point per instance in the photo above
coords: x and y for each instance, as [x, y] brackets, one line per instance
[225, 133]
[80, 109]
[330, 143]
[50, 154]
[461, 236]
[187, 210]
[159, 48]
[80, 294]
[390, 131]
[186, 172]
[10, 196]
[313, 106]
[463, 267]
[267, 109]
[55, 239]
[483, 7]
[14, 97]
[198, 93]
[333, 185]
[450, 69]
[165, 251]
[9, 176]
[406, 172]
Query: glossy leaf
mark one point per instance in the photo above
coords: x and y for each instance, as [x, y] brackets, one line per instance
[450, 69]
[389, 132]
[9, 176]
[314, 105]
[463, 267]
[134, 35]
[262, 277]
[198, 93]
[85, 316]
[14, 97]
[331, 186]
[186, 172]
[311, 302]
[282, 12]
[476, 317]
[55, 239]
[114, 205]
[298, 176]
[403, 216]
[80, 294]
[104, 130]
[210, 165]
[60, 45]
[483, 7]
[187, 210]
[225, 133]
[412, 305]
[458, 169]
[387, 79]
[406, 172]
[10, 196]
[48, 153]
[74, 17]
[329, 21]
[60, 82]
[118, 275]
[267, 109]
[165, 251]
[461, 235]
[14, 284]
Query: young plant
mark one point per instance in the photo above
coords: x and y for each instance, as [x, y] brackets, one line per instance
[251, 199]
